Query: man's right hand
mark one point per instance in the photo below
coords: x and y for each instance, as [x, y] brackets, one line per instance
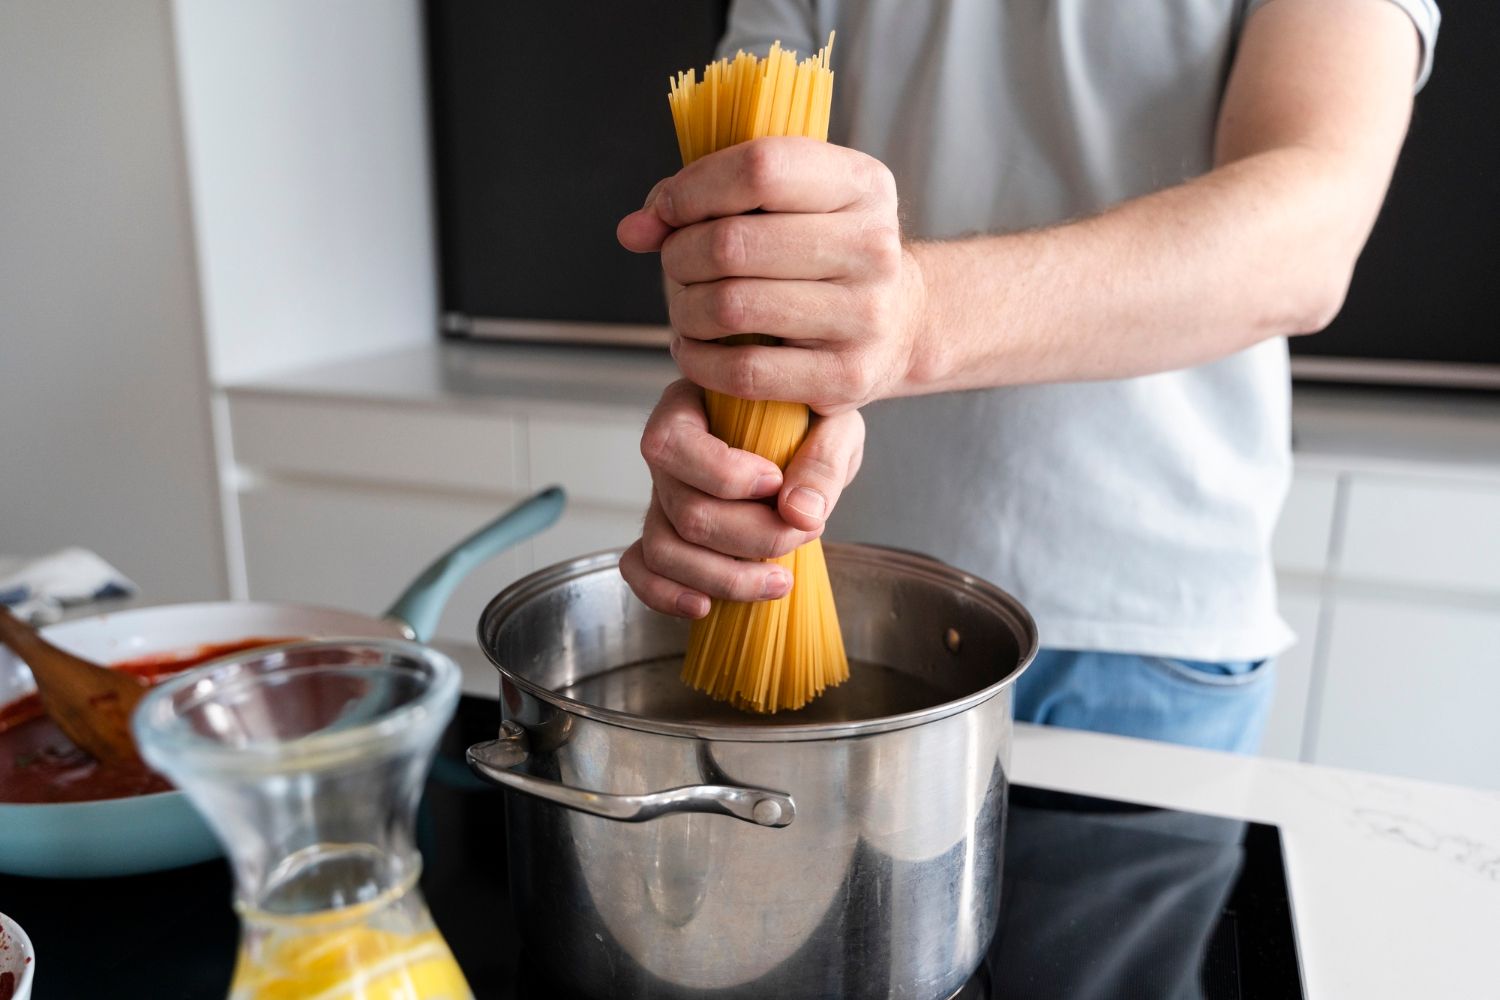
[716, 511]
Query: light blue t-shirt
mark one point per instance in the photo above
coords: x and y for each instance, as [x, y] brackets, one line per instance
[1132, 515]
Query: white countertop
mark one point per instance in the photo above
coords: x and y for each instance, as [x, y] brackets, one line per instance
[1374, 429]
[1395, 883]
[483, 376]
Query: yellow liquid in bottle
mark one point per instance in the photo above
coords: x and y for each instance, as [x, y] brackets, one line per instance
[375, 955]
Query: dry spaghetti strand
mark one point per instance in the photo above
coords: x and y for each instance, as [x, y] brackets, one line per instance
[762, 656]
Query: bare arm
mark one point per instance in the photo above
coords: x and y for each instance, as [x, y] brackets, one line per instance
[1263, 245]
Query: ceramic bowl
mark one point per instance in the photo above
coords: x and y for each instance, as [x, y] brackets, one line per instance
[17, 957]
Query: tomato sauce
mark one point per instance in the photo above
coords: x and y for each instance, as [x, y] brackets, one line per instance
[39, 764]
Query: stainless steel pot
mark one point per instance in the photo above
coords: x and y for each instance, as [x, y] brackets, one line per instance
[851, 849]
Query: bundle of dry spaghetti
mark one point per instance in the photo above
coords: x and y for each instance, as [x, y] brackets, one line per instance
[767, 655]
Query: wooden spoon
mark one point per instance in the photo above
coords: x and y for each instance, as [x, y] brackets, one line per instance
[90, 704]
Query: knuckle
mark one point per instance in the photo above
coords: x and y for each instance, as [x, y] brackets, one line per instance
[671, 254]
[630, 565]
[822, 465]
[727, 245]
[651, 554]
[867, 310]
[743, 376]
[656, 598]
[854, 378]
[882, 246]
[742, 582]
[762, 168]
[784, 541]
[695, 522]
[657, 442]
[684, 312]
[726, 306]
[721, 471]
[879, 180]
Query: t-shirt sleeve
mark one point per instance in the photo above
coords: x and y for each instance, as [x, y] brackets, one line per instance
[1423, 13]
[755, 24]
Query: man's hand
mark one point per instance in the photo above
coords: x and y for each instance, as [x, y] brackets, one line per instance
[795, 238]
[716, 510]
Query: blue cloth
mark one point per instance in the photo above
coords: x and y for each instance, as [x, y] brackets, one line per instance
[1218, 706]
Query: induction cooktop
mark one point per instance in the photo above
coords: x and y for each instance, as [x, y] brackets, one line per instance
[1101, 899]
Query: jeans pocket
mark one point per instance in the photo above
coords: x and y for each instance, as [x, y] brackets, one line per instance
[1229, 676]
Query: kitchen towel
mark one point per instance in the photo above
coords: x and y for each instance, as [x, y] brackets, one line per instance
[37, 590]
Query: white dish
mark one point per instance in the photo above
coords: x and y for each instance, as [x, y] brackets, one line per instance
[17, 957]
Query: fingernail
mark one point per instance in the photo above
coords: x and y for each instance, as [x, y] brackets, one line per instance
[692, 605]
[765, 485]
[651, 196]
[806, 501]
[663, 203]
[672, 346]
[778, 582]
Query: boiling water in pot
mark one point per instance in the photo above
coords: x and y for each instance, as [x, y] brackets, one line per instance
[654, 689]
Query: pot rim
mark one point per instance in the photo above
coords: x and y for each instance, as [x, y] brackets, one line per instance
[916, 565]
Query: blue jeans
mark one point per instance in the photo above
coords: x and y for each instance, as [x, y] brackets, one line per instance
[1219, 706]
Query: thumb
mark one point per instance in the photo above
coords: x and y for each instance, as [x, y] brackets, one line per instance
[642, 231]
[823, 466]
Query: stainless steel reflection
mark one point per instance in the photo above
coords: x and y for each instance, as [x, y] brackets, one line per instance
[886, 883]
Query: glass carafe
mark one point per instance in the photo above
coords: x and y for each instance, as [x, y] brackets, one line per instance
[308, 761]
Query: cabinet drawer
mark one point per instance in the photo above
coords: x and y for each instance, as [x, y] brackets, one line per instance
[583, 529]
[473, 451]
[1441, 535]
[1303, 532]
[359, 548]
[597, 461]
[1294, 670]
[1411, 689]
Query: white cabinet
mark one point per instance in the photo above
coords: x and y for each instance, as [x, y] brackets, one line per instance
[1300, 606]
[1391, 578]
[343, 501]
[1423, 532]
[375, 442]
[1412, 689]
[1301, 548]
[1305, 529]
[357, 547]
[598, 460]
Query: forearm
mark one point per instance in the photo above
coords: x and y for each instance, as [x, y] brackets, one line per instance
[1261, 247]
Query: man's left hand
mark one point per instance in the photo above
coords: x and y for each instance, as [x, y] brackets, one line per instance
[798, 239]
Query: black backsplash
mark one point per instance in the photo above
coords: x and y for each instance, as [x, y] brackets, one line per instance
[1425, 287]
[549, 123]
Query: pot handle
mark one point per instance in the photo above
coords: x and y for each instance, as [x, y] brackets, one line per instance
[421, 604]
[495, 760]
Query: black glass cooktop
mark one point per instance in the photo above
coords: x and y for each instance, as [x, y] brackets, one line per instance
[1102, 899]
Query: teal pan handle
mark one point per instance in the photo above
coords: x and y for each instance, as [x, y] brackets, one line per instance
[421, 604]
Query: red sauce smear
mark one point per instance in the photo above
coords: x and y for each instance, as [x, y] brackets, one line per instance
[7, 985]
[39, 764]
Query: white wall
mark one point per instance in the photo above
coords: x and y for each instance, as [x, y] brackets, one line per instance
[307, 148]
[104, 437]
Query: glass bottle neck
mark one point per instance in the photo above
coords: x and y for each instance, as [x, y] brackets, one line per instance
[326, 876]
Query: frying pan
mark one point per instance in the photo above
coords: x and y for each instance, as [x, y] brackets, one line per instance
[152, 832]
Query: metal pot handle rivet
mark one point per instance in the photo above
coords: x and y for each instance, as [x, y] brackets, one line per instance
[495, 761]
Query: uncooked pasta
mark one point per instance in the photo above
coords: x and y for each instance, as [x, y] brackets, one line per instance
[762, 656]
